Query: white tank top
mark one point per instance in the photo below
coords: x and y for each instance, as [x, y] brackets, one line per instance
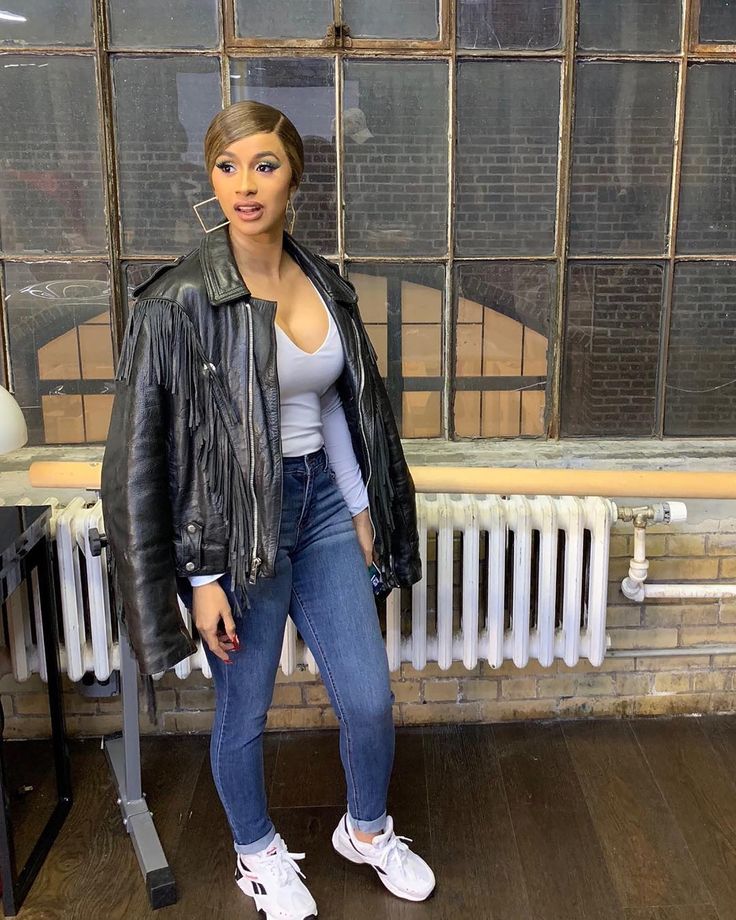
[304, 380]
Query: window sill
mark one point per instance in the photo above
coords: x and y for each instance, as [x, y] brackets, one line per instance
[588, 453]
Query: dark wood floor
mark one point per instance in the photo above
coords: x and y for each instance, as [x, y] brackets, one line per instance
[592, 820]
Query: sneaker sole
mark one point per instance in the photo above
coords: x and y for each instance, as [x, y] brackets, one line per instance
[344, 850]
[258, 898]
[274, 917]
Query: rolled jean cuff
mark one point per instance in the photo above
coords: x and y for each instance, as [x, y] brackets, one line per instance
[260, 844]
[368, 827]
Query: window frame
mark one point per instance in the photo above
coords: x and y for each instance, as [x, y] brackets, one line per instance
[340, 46]
[704, 49]
[337, 35]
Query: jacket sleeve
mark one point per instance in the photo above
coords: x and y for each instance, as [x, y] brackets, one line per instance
[137, 508]
[405, 534]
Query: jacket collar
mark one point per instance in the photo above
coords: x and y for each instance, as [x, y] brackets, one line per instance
[225, 284]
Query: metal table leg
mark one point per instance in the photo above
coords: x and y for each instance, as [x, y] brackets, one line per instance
[124, 757]
[15, 886]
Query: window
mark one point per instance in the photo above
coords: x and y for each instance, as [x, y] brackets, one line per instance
[533, 198]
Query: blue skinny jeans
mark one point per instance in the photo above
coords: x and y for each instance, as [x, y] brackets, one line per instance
[322, 582]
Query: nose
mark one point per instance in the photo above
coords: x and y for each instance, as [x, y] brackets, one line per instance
[248, 182]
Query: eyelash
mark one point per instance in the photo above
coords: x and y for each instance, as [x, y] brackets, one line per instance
[221, 166]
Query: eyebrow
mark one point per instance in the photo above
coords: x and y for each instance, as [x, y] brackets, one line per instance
[262, 153]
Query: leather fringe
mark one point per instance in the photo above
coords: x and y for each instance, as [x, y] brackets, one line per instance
[176, 361]
[383, 489]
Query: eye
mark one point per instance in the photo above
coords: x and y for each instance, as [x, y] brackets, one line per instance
[270, 166]
[225, 166]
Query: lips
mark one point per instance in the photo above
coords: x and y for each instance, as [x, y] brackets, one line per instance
[249, 208]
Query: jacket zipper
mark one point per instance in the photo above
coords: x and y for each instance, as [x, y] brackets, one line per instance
[255, 561]
[274, 343]
[360, 422]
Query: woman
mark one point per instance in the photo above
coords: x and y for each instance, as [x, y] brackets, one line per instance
[253, 453]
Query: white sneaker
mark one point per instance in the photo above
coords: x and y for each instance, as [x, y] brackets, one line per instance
[270, 878]
[404, 873]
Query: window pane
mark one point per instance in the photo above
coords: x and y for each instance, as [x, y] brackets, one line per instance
[701, 394]
[706, 220]
[162, 108]
[718, 21]
[304, 89]
[395, 125]
[401, 307]
[622, 157]
[283, 18]
[415, 19]
[51, 189]
[502, 24]
[61, 349]
[630, 25]
[611, 348]
[142, 24]
[501, 351]
[508, 124]
[47, 22]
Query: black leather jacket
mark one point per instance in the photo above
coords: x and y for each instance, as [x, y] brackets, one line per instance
[192, 470]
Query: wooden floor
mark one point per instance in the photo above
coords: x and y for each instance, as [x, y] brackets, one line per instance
[590, 820]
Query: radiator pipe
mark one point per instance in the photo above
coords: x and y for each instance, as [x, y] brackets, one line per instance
[723, 648]
[633, 586]
[60, 474]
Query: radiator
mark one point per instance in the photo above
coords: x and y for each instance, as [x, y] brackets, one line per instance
[503, 578]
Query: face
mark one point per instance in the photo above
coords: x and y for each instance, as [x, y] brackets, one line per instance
[252, 182]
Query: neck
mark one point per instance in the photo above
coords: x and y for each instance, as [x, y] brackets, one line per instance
[260, 255]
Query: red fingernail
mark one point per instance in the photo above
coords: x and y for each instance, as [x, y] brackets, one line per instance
[236, 641]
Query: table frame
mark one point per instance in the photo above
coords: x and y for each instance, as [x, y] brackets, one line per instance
[34, 553]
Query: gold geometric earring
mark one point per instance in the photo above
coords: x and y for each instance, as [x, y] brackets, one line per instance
[293, 213]
[199, 218]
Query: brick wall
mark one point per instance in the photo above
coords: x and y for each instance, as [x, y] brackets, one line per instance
[612, 339]
[622, 686]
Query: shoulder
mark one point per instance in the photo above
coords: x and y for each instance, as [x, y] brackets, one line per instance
[169, 281]
[326, 271]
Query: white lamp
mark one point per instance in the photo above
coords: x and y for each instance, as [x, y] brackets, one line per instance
[13, 431]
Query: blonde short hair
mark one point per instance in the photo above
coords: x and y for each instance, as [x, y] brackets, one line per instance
[241, 119]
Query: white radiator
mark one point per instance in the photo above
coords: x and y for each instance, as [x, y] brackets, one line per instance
[527, 578]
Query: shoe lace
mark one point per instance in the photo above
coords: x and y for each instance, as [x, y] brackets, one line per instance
[395, 848]
[283, 862]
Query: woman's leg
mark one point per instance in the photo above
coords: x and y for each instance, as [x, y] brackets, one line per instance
[244, 690]
[333, 607]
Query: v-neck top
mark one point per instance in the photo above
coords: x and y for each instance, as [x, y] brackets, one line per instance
[304, 379]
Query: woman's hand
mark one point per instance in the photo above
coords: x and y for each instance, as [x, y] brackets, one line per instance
[366, 536]
[209, 606]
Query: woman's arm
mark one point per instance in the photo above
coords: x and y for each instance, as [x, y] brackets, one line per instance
[339, 447]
